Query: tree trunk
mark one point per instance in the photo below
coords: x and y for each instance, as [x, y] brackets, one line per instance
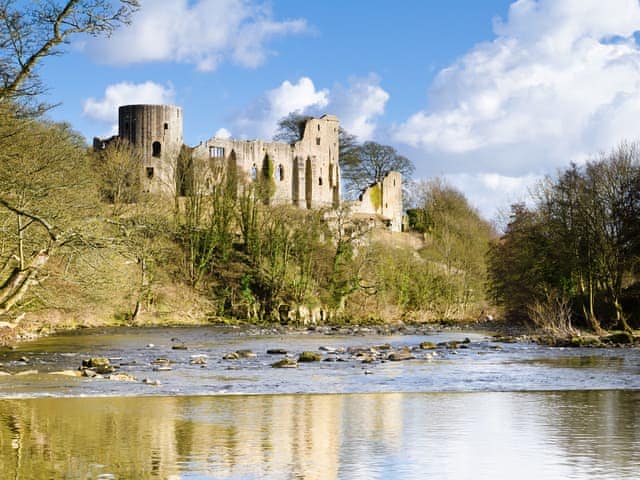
[18, 283]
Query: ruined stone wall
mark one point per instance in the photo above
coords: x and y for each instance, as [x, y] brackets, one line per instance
[305, 174]
[156, 131]
[383, 200]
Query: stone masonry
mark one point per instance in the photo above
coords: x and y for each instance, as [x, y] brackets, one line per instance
[306, 173]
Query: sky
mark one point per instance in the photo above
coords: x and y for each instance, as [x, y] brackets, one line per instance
[490, 95]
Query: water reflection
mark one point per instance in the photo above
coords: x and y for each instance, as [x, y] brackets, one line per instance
[463, 435]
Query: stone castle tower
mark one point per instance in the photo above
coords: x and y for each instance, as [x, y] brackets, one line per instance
[156, 131]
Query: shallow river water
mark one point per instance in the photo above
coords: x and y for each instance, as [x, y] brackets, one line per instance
[481, 410]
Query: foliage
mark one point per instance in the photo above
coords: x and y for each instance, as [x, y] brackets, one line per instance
[580, 240]
[456, 238]
[266, 182]
[291, 128]
[368, 164]
[118, 168]
[46, 195]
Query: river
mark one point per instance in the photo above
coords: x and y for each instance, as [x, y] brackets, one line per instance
[477, 410]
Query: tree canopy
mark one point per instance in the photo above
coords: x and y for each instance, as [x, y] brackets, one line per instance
[580, 242]
[368, 163]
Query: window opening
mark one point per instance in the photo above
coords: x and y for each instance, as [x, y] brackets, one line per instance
[156, 149]
[150, 173]
[166, 126]
[320, 181]
[216, 152]
[280, 172]
[317, 140]
[254, 172]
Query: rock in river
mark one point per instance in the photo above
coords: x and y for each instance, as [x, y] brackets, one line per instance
[401, 355]
[276, 351]
[245, 354]
[99, 365]
[285, 363]
[68, 373]
[309, 357]
[122, 377]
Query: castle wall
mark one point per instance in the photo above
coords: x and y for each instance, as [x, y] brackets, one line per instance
[156, 131]
[305, 173]
[384, 200]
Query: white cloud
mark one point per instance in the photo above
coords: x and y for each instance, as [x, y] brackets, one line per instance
[485, 191]
[560, 82]
[105, 110]
[201, 32]
[260, 119]
[357, 106]
[222, 133]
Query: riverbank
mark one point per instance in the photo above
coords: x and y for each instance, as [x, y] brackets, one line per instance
[502, 331]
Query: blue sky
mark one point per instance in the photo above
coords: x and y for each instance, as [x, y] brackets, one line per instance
[489, 94]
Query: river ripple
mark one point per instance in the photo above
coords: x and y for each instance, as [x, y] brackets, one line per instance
[479, 411]
[481, 365]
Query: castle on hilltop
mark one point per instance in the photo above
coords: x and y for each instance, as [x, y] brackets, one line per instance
[305, 173]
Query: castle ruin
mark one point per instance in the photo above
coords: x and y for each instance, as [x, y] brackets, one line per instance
[305, 173]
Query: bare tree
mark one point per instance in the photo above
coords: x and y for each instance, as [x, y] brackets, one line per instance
[369, 163]
[46, 186]
[118, 167]
[31, 31]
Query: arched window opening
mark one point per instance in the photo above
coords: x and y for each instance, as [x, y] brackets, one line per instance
[254, 172]
[156, 149]
[166, 126]
[320, 181]
[150, 173]
[280, 172]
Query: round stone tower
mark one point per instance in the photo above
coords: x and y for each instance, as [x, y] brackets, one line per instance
[156, 132]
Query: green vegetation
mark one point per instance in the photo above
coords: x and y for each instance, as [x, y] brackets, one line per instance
[573, 257]
[79, 241]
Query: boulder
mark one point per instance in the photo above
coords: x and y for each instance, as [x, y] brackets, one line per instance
[309, 357]
[245, 354]
[122, 377]
[399, 356]
[67, 373]
[276, 351]
[428, 346]
[149, 381]
[285, 363]
[231, 356]
[99, 365]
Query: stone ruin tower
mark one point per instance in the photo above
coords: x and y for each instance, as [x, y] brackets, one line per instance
[156, 132]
